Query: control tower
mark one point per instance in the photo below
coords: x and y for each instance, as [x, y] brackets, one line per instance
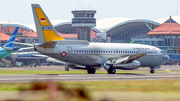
[84, 20]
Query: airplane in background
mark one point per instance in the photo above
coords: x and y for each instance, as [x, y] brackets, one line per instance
[9, 48]
[110, 56]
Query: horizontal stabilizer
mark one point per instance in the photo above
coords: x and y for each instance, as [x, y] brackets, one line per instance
[50, 44]
[9, 49]
[72, 42]
[26, 44]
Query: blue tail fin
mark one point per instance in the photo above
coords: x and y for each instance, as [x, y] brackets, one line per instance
[12, 38]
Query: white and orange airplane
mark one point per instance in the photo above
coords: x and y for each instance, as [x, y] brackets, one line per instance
[110, 56]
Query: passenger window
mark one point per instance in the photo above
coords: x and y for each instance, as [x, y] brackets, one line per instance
[74, 51]
[108, 51]
[79, 51]
[84, 51]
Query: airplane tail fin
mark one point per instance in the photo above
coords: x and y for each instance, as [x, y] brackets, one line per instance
[45, 30]
[12, 38]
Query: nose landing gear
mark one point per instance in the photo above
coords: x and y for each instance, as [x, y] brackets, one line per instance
[152, 70]
[66, 68]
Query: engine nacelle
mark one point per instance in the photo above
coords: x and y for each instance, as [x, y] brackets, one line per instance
[128, 66]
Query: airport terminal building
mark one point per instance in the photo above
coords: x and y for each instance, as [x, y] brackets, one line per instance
[166, 37]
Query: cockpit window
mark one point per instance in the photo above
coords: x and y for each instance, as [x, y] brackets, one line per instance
[162, 52]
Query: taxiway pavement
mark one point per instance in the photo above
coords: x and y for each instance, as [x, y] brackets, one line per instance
[88, 77]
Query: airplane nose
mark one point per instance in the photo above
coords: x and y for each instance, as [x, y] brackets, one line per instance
[168, 57]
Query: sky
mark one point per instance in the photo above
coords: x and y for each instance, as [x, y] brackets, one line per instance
[20, 11]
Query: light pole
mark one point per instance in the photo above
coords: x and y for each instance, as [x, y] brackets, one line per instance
[0, 33]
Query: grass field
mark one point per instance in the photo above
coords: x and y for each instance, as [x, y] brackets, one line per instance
[6, 72]
[146, 90]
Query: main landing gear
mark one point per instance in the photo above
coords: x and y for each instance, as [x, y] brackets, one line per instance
[91, 70]
[152, 70]
[111, 70]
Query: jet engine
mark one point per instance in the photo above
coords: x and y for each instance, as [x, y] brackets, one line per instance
[106, 67]
[128, 66]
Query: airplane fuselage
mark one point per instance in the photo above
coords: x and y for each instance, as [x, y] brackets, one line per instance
[94, 54]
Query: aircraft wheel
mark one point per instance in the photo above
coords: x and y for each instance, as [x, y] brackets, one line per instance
[91, 70]
[111, 71]
[152, 71]
[66, 69]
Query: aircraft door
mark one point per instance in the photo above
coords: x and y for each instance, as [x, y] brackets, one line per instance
[116, 52]
[155, 53]
[69, 51]
[156, 60]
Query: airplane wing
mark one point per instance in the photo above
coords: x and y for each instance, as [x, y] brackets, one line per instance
[25, 48]
[55, 60]
[21, 53]
[129, 58]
